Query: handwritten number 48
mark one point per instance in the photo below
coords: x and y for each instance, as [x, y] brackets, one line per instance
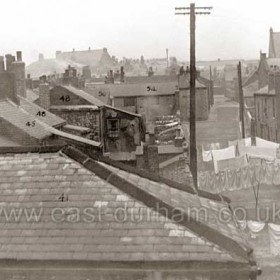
[65, 98]
[41, 113]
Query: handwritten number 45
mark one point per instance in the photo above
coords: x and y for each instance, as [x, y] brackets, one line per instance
[31, 124]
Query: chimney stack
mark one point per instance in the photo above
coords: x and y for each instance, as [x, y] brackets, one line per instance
[271, 81]
[19, 56]
[9, 61]
[178, 142]
[41, 57]
[18, 68]
[262, 55]
[2, 64]
[122, 75]
[44, 95]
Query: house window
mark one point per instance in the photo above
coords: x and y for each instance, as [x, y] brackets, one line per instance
[129, 101]
[113, 128]
[273, 107]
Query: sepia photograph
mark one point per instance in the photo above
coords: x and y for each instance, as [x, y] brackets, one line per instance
[139, 140]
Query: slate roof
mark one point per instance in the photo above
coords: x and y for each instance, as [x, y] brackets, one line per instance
[93, 100]
[86, 57]
[6, 141]
[264, 91]
[49, 119]
[50, 67]
[19, 117]
[40, 180]
[31, 95]
[140, 89]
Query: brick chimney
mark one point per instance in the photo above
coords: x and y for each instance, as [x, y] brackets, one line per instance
[147, 155]
[271, 81]
[7, 79]
[277, 95]
[44, 95]
[57, 54]
[18, 68]
[9, 61]
[122, 75]
[2, 64]
[178, 142]
[41, 57]
[262, 55]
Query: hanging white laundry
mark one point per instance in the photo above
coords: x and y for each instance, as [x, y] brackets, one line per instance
[266, 144]
[274, 234]
[232, 163]
[242, 224]
[253, 151]
[255, 227]
[207, 156]
[215, 146]
[222, 154]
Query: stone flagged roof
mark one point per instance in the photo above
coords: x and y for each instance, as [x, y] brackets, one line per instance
[40, 181]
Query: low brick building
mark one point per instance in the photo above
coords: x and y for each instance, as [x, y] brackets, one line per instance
[119, 131]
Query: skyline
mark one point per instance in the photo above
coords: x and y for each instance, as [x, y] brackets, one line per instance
[234, 30]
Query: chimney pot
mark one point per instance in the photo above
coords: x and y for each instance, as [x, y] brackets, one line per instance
[19, 56]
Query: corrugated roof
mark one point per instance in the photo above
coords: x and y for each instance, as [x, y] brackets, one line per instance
[33, 109]
[44, 182]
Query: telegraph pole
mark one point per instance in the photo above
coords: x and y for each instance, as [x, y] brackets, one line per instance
[193, 152]
[167, 58]
[241, 100]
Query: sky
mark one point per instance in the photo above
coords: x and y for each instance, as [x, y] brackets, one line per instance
[236, 29]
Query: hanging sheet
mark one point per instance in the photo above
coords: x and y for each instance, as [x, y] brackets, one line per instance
[274, 234]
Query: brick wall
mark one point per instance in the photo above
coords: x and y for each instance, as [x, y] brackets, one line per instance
[83, 118]
[202, 107]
